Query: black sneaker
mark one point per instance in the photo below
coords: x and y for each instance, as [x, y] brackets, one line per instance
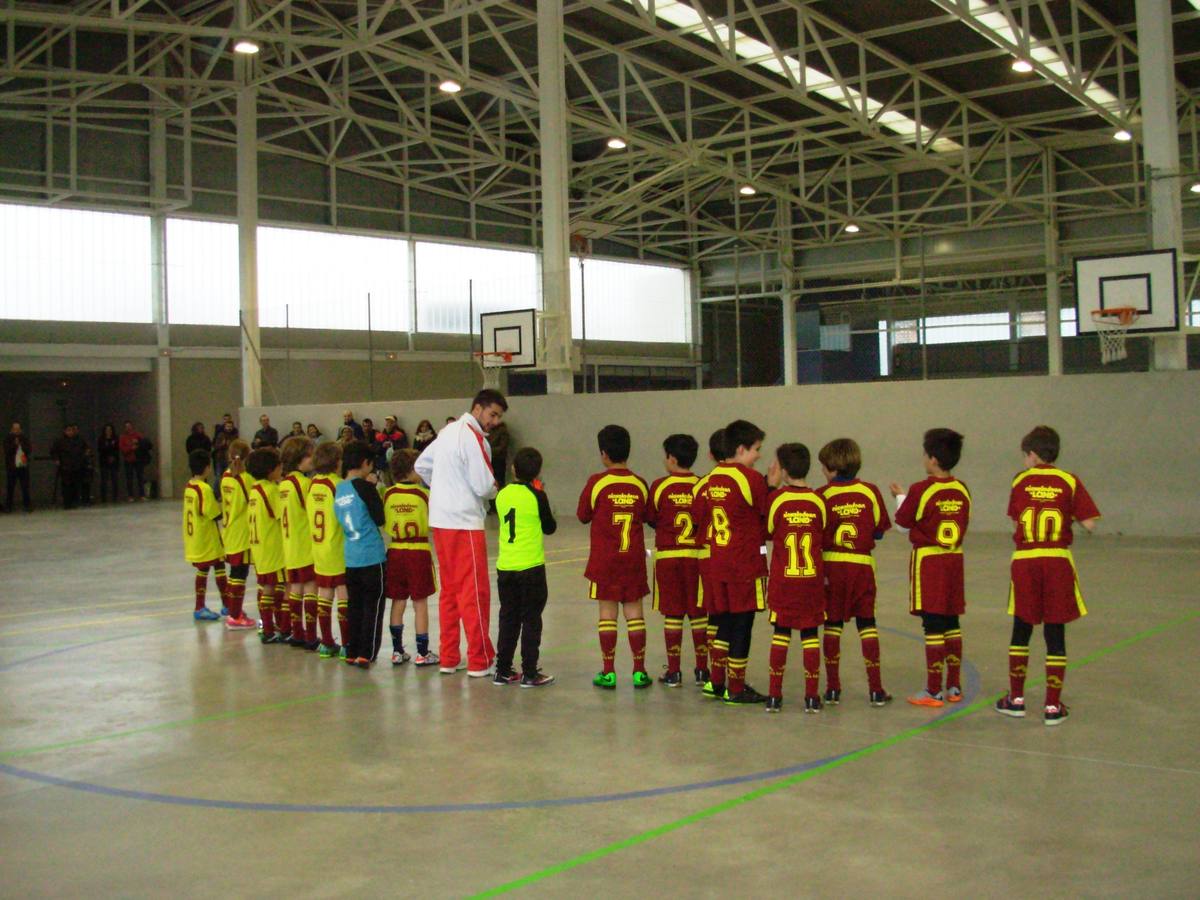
[541, 679]
[506, 678]
[671, 679]
[774, 704]
[812, 705]
[1011, 706]
[312, 645]
[1056, 714]
[297, 642]
[833, 696]
[701, 675]
[879, 698]
[273, 638]
[747, 695]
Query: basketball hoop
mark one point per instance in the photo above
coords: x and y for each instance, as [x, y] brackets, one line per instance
[1113, 325]
[490, 363]
[581, 245]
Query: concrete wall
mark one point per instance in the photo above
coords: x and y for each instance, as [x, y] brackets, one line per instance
[1131, 437]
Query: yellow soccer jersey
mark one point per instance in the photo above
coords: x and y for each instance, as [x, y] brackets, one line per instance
[293, 520]
[266, 537]
[328, 542]
[406, 517]
[235, 495]
[201, 540]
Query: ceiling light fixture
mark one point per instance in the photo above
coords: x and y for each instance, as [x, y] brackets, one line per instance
[1023, 66]
[449, 86]
[246, 46]
[616, 143]
[1123, 136]
[852, 228]
[1195, 188]
[747, 190]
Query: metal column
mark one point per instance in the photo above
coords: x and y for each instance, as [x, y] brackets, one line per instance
[1054, 344]
[158, 288]
[787, 297]
[555, 172]
[1160, 137]
[247, 215]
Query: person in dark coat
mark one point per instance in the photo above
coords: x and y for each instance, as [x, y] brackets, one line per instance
[17, 454]
[108, 456]
[70, 454]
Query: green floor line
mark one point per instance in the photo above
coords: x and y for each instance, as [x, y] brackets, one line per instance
[792, 780]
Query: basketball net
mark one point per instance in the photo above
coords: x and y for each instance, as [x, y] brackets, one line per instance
[490, 365]
[1112, 325]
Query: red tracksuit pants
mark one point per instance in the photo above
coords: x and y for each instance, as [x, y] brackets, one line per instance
[465, 600]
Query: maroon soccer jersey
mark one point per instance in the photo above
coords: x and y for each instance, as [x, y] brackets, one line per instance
[1044, 501]
[614, 502]
[796, 523]
[732, 503]
[855, 514]
[670, 511]
[936, 511]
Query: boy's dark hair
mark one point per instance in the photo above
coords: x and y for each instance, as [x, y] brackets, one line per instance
[716, 445]
[794, 459]
[328, 458]
[198, 461]
[1043, 441]
[842, 457]
[489, 397]
[740, 433]
[683, 447]
[944, 445]
[615, 442]
[401, 464]
[262, 462]
[354, 454]
[293, 451]
[527, 464]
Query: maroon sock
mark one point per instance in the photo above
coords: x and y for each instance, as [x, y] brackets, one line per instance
[935, 653]
[812, 666]
[296, 612]
[778, 662]
[1018, 665]
[266, 612]
[325, 620]
[700, 641]
[954, 651]
[673, 632]
[607, 629]
[870, 651]
[735, 674]
[636, 629]
[283, 615]
[222, 585]
[833, 657]
[1056, 671]
[343, 617]
[310, 617]
[237, 597]
[717, 655]
[201, 588]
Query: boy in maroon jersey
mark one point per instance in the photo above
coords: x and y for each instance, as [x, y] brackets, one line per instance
[935, 512]
[796, 586]
[732, 505]
[716, 657]
[856, 519]
[1045, 588]
[676, 558]
[614, 502]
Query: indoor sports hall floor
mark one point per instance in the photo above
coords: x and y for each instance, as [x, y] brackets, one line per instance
[142, 753]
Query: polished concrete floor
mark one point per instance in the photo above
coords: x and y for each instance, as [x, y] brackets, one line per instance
[142, 753]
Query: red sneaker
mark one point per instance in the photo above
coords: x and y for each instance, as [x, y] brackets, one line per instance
[242, 622]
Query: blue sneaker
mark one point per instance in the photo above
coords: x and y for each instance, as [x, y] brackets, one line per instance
[224, 611]
[205, 615]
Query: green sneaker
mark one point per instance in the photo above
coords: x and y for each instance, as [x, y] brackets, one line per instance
[606, 680]
[327, 651]
[708, 691]
[342, 652]
[642, 680]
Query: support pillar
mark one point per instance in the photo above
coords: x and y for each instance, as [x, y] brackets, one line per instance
[247, 219]
[158, 288]
[555, 173]
[1054, 344]
[787, 296]
[1160, 137]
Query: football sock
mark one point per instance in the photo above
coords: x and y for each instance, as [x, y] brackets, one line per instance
[780, 642]
[637, 643]
[343, 617]
[735, 670]
[935, 652]
[1056, 661]
[325, 619]
[201, 588]
[397, 638]
[833, 655]
[700, 641]
[283, 613]
[296, 613]
[423, 644]
[812, 661]
[673, 632]
[869, 635]
[266, 612]
[718, 653]
[1018, 665]
[607, 630]
[310, 617]
[222, 583]
[953, 657]
[237, 596]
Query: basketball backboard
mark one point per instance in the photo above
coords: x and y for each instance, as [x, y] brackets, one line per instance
[512, 331]
[1143, 281]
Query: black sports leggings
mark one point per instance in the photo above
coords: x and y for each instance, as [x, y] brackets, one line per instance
[736, 629]
[1055, 634]
[935, 623]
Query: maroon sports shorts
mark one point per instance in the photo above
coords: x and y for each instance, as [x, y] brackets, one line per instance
[410, 574]
[617, 592]
[936, 583]
[303, 575]
[736, 596]
[331, 581]
[205, 566]
[1045, 589]
[677, 586]
[849, 591]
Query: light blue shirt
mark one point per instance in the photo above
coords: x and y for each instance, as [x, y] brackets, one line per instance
[364, 543]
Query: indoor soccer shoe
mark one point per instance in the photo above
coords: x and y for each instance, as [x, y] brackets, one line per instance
[429, 659]
[812, 705]
[504, 679]
[1011, 706]
[833, 696]
[399, 657]
[541, 679]
[774, 704]
[1056, 714]
[241, 623]
[954, 695]
[924, 698]
[273, 638]
[642, 680]
[878, 698]
[716, 693]
[328, 651]
[747, 695]
[671, 679]
[606, 680]
[224, 611]
[204, 614]
[701, 676]
[342, 652]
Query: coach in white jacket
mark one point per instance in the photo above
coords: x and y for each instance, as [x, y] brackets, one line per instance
[457, 466]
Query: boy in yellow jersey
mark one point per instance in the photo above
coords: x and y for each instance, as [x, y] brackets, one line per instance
[409, 557]
[266, 541]
[235, 533]
[296, 456]
[525, 516]
[328, 543]
[201, 540]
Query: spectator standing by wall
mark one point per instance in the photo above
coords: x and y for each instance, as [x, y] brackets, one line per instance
[70, 453]
[108, 456]
[220, 448]
[198, 440]
[135, 472]
[17, 453]
[424, 435]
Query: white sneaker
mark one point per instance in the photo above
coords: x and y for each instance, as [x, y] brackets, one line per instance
[483, 673]
[450, 670]
[399, 658]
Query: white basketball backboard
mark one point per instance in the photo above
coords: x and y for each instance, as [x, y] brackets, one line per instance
[1144, 281]
[512, 331]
